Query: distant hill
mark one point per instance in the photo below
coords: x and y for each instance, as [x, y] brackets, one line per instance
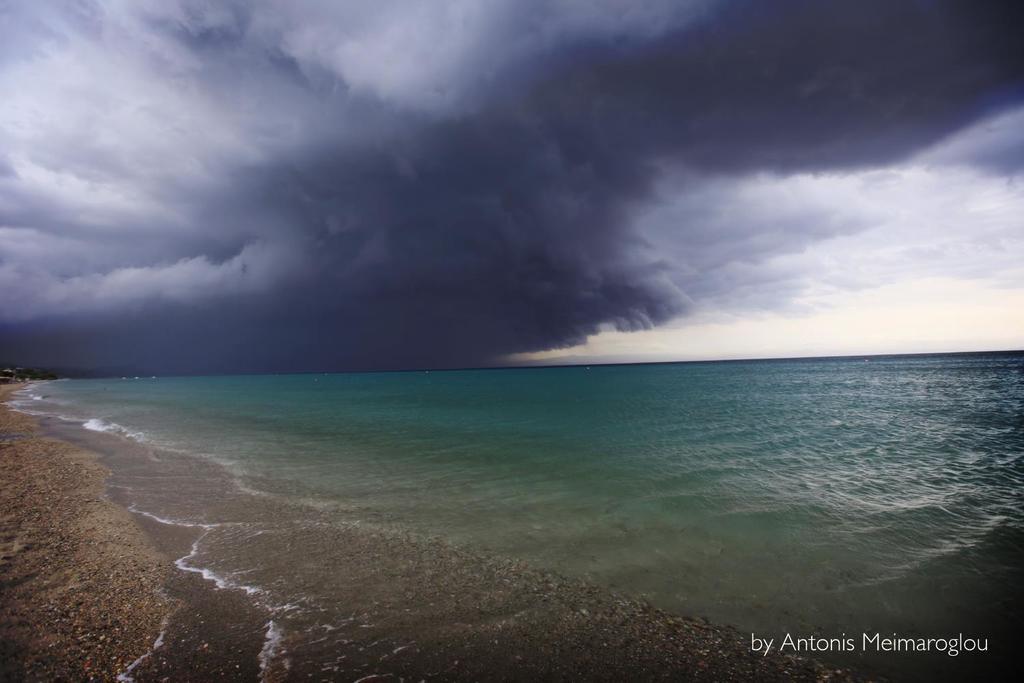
[19, 374]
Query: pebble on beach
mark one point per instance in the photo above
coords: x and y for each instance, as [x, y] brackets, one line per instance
[79, 582]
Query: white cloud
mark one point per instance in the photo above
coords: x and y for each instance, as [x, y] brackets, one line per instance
[996, 143]
[913, 316]
[926, 255]
[433, 55]
[27, 291]
[803, 237]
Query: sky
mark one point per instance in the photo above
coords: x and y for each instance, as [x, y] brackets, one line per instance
[257, 186]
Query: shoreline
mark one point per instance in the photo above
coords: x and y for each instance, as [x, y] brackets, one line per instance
[80, 596]
[90, 589]
[474, 618]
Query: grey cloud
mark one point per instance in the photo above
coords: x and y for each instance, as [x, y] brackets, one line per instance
[765, 242]
[995, 144]
[482, 201]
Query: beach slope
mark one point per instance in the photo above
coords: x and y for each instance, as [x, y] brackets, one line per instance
[80, 585]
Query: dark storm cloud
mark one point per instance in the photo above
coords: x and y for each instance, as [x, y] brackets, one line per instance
[486, 205]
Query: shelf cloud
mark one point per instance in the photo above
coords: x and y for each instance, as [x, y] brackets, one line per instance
[257, 186]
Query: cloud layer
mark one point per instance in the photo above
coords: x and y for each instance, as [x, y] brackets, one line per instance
[192, 186]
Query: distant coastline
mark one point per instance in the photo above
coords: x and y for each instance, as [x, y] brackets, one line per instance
[12, 374]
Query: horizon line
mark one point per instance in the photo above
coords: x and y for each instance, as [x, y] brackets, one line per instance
[525, 366]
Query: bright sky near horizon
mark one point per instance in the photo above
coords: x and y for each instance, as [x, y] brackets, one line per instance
[933, 315]
[935, 264]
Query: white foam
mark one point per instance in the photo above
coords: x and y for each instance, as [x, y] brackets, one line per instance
[221, 582]
[272, 640]
[17, 401]
[372, 677]
[183, 563]
[271, 647]
[170, 522]
[126, 675]
[97, 425]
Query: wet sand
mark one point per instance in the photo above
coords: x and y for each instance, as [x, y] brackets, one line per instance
[80, 583]
[89, 587]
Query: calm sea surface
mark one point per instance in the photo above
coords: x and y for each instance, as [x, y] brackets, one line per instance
[812, 496]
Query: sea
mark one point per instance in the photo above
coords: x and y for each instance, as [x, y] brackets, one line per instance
[816, 497]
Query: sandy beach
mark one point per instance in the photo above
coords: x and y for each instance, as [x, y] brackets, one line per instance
[80, 584]
[89, 588]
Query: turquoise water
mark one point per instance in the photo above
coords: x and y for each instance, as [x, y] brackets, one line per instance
[810, 496]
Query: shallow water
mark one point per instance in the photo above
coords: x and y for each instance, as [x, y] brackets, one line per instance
[812, 497]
